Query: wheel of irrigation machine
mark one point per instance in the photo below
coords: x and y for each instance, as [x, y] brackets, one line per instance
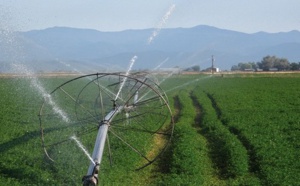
[71, 114]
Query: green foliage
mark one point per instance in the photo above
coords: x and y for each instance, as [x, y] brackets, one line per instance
[267, 63]
[295, 66]
[188, 161]
[228, 152]
[235, 130]
[262, 113]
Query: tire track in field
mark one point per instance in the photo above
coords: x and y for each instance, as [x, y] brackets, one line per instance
[161, 166]
[254, 166]
[177, 109]
[164, 161]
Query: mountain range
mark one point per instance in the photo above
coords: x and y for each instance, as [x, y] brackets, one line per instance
[62, 48]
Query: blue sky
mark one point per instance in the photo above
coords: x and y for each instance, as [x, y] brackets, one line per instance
[115, 15]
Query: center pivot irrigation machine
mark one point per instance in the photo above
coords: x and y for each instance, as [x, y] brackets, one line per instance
[120, 117]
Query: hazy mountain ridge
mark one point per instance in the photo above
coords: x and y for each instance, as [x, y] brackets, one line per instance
[181, 47]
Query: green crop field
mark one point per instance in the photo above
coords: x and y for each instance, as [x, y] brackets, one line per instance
[229, 130]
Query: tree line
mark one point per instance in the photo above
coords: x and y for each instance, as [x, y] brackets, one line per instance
[268, 63]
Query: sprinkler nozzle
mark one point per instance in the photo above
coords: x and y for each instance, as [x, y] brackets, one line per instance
[91, 180]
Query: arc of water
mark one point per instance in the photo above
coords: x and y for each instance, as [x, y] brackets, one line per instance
[132, 61]
[161, 23]
[169, 75]
[158, 66]
[188, 83]
[80, 145]
[38, 86]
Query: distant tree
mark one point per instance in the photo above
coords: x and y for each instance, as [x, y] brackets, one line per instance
[196, 68]
[281, 64]
[295, 66]
[259, 65]
[268, 62]
[254, 65]
[235, 68]
[244, 66]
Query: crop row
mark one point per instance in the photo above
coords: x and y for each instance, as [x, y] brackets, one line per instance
[203, 150]
[263, 114]
[227, 151]
[251, 128]
[188, 161]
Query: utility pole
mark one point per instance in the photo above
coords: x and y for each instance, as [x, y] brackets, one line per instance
[212, 64]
